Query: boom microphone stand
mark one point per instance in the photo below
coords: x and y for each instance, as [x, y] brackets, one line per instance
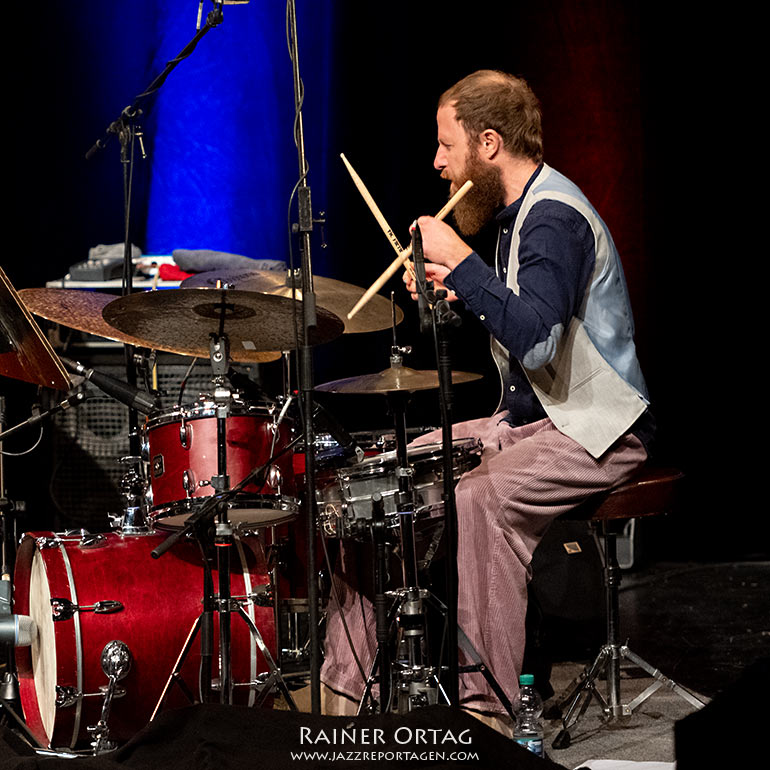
[125, 128]
[305, 368]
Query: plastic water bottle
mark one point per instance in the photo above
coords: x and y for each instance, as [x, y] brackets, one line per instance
[528, 730]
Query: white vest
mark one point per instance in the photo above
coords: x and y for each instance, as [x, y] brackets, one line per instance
[593, 389]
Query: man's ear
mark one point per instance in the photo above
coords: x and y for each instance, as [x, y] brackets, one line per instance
[490, 143]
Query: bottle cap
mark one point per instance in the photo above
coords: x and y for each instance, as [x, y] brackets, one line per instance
[526, 679]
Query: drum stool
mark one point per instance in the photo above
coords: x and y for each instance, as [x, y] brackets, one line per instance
[651, 492]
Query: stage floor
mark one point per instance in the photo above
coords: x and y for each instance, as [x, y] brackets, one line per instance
[701, 624]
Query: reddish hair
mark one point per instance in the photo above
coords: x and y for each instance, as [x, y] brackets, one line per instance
[493, 99]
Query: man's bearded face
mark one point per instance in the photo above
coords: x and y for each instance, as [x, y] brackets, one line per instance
[483, 200]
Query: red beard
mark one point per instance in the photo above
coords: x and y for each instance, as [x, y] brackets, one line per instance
[483, 200]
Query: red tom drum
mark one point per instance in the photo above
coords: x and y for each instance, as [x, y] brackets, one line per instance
[182, 448]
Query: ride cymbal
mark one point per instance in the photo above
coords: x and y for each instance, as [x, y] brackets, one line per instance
[82, 310]
[332, 295]
[184, 320]
[395, 378]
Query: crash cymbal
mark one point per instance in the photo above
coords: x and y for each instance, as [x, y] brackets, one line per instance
[184, 319]
[82, 310]
[396, 378]
[336, 296]
[25, 353]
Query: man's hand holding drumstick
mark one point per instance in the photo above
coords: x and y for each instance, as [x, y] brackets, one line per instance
[443, 249]
[449, 247]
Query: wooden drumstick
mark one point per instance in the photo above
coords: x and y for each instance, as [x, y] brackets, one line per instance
[406, 253]
[386, 228]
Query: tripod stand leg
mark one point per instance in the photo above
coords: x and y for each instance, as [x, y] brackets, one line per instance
[580, 694]
[275, 677]
[660, 681]
[466, 646]
[175, 676]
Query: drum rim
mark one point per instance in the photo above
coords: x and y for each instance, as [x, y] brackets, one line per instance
[382, 462]
[201, 410]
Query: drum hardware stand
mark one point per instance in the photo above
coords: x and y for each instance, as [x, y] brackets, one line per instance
[133, 491]
[415, 681]
[304, 228]
[216, 506]
[436, 315]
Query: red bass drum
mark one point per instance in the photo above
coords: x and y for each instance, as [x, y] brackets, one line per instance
[85, 591]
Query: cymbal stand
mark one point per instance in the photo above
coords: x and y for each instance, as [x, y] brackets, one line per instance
[415, 680]
[435, 316]
[199, 524]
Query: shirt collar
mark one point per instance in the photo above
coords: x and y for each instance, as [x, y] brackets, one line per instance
[508, 214]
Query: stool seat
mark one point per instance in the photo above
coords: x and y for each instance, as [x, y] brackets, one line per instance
[651, 492]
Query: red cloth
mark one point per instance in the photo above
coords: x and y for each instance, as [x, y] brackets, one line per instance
[172, 273]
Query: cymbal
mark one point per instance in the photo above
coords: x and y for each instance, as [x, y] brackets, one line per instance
[332, 295]
[82, 310]
[396, 378]
[184, 319]
[25, 353]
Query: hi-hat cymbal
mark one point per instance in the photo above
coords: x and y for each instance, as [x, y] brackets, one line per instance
[396, 378]
[185, 319]
[82, 310]
[332, 295]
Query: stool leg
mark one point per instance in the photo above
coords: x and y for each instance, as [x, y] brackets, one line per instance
[609, 659]
[612, 598]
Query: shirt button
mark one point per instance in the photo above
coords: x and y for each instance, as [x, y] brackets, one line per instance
[512, 388]
[482, 317]
[505, 230]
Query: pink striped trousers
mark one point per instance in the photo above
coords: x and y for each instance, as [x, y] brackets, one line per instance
[527, 477]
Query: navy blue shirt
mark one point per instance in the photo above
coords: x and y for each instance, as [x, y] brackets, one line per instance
[556, 260]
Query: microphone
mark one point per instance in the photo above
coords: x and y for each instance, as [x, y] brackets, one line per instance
[331, 426]
[17, 630]
[419, 273]
[121, 391]
[38, 416]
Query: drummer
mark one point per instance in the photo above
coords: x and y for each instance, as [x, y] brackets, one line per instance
[575, 418]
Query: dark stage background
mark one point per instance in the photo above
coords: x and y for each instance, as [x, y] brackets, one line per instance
[636, 97]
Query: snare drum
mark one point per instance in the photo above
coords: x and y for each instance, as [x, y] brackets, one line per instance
[345, 496]
[85, 591]
[183, 458]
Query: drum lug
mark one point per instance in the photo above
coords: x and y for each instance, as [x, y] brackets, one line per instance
[188, 483]
[184, 434]
[261, 596]
[92, 541]
[64, 609]
[330, 520]
[66, 696]
[274, 478]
